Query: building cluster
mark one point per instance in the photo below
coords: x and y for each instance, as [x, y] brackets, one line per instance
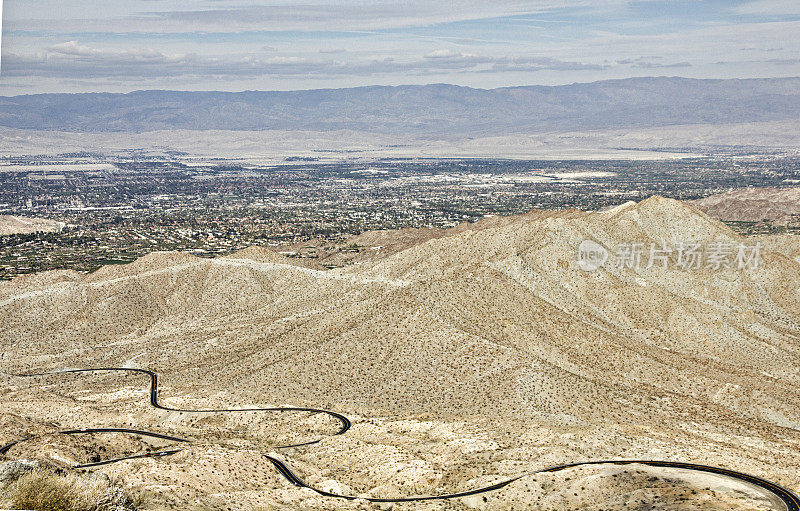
[122, 208]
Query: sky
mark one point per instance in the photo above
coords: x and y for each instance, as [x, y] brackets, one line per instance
[233, 45]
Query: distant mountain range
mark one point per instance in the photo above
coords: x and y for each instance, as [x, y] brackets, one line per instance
[438, 110]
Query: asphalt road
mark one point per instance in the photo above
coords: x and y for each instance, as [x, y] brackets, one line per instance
[789, 499]
[343, 421]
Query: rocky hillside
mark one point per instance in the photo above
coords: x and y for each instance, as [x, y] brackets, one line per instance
[493, 316]
[492, 324]
[779, 206]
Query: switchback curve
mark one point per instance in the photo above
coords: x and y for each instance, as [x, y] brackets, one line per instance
[343, 421]
[789, 499]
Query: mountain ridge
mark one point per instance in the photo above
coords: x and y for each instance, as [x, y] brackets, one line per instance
[434, 109]
[442, 290]
[484, 346]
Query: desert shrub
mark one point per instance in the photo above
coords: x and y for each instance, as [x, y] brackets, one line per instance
[43, 492]
[46, 491]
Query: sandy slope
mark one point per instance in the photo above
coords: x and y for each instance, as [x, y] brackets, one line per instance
[478, 353]
[781, 206]
[22, 225]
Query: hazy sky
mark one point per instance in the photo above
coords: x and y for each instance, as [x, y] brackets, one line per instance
[123, 45]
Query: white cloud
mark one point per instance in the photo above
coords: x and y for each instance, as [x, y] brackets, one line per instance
[73, 48]
[280, 60]
[70, 60]
[769, 7]
[443, 54]
[123, 16]
[70, 49]
[215, 43]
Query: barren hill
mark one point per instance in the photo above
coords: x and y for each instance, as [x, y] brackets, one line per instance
[780, 206]
[22, 225]
[485, 346]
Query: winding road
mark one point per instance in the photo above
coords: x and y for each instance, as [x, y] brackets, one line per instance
[789, 499]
